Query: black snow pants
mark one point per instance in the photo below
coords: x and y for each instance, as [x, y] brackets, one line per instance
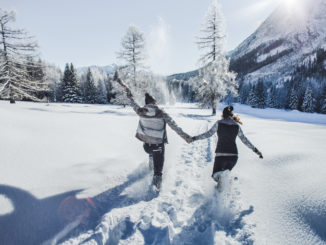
[157, 151]
[222, 163]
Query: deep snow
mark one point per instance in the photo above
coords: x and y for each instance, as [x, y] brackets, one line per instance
[51, 153]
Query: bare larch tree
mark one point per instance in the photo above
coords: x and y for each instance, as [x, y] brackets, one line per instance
[215, 80]
[133, 51]
[16, 51]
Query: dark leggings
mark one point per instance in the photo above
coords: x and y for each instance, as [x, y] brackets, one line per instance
[222, 163]
[157, 150]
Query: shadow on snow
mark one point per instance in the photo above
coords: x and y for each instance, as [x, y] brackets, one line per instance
[35, 221]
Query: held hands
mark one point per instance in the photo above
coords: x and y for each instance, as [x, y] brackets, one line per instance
[190, 139]
[258, 153]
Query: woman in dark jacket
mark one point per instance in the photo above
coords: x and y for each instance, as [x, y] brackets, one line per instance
[226, 152]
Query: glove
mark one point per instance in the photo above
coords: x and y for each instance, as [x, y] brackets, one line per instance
[258, 153]
[116, 76]
[129, 95]
[142, 110]
[190, 139]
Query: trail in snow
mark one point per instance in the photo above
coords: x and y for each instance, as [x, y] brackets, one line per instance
[188, 209]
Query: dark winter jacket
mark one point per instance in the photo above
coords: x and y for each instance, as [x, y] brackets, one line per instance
[227, 130]
[152, 124]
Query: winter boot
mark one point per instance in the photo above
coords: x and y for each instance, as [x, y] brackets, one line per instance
[218, 178]
[151, 162]
[157, 181]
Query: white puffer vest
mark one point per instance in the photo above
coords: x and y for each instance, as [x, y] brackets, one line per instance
[152, 127]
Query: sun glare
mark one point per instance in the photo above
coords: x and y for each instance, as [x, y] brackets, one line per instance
[289, 3]
[296, 8]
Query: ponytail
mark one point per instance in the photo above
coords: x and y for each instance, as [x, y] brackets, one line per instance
[237, 119]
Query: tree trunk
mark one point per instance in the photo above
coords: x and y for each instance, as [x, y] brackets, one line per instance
[11, 94]
[214, 111]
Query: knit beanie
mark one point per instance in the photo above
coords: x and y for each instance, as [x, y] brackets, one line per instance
[228, 111]
[149, 99]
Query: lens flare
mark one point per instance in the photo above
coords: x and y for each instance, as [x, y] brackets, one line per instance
[72, 209]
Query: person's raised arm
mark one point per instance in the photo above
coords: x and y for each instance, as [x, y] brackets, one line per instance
[139, 110]
[207, 134]
[133, 103]
[245, 140]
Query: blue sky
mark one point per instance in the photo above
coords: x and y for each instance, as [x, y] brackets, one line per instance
[89, 32]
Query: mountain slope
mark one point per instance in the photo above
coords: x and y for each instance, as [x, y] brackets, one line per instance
[289, 37]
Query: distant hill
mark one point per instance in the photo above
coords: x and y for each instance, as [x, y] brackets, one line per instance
[183, 76]
[109, 69]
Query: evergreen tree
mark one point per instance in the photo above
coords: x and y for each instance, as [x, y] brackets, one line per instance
[108, 86]
[271, 97]
[90, 95]
[260, 94]
[70, 90]
[308, 100]
[323, 101]
[53, 77]
[293, 103]
[215, 81]
[101, 97]
[59, 90]
[243, 93]
[252, 98]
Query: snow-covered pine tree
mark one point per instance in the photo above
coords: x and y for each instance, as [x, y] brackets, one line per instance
[260, 94]
[215, 80]
[53, 77]
[294, 102]
[101, 93]
[271, 97]
[308, 100]
[70, 90]
[90, 95]
[323, 101]
[16, 50]
[108, 87]
[252, 98]
[244, 90]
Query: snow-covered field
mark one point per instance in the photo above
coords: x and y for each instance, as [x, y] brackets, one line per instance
[51, 153]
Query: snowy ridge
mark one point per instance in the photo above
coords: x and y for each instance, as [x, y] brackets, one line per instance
[288, 37]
